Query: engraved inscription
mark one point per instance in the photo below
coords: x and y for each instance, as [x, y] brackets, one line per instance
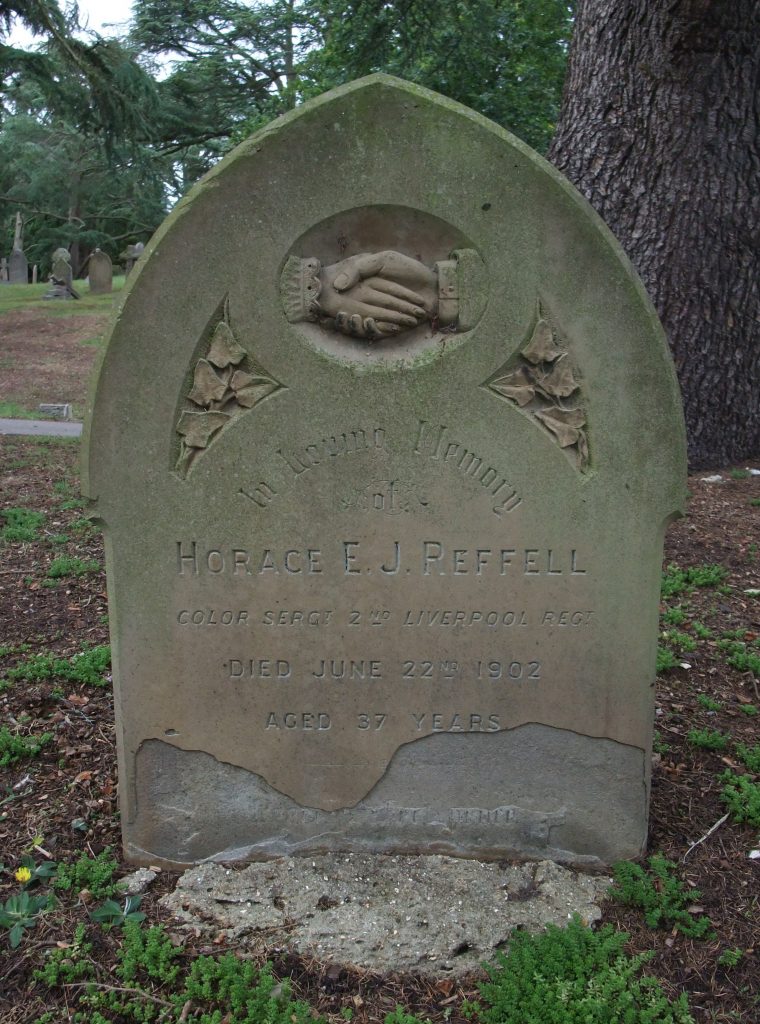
[430, 558]
[435, 443]
[544, 383]
[390, 497]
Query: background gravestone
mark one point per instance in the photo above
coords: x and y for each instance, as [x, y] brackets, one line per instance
[3, 269]
[130, 256]
[18, 268]
[100, 272]
[384, 468]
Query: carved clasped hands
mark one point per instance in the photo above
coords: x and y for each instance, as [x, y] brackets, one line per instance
[371, 295]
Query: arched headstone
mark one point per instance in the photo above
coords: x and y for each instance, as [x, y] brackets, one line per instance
[384, 467]
[100, 272]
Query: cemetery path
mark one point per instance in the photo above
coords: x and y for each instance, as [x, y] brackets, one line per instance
[62, 801]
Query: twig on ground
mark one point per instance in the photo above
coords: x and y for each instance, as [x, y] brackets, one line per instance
[707, 835]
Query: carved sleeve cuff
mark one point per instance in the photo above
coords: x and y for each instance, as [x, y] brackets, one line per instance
[300, 288]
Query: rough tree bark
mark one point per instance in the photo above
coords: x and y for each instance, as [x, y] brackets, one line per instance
[660, 130]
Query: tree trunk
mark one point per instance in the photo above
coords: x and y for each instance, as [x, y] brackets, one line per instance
[660, 130]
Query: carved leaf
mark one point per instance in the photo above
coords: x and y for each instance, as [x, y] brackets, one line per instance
[250, 389]
[542, 348]
[560, 382]
[207, 387]
[197, 428]
[516, 385]
[565, 424]
[224, 348]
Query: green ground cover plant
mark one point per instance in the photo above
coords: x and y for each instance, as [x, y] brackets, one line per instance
[707, 702]
[660, 895]
[573, 975]
[742, 798]
[14, 747]
[750, 756]
[708, 739]
[87, 667]
[741, 656]
[95, 874]
[666, 660]
[677, 581]
[67, 565]
[20, 524]
[156, 986]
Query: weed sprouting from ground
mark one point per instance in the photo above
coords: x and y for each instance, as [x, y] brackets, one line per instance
[660, 895]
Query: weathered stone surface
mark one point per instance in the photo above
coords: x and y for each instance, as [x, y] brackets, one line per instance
[100, 272]
[426, 914]
[377, 582]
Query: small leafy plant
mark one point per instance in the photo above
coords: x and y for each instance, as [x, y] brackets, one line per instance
[674, 616]
[22, 911]
[572, 975]
[666, 660]
[660, 895]
[29, 872]
[88, 667]
[68, 566]
[742, 797]
[730, 957]
[681, 641]
[708, 739]
[708, 702]
[676, 581]
[750, 756]
[95, 874]
[14, 747]
[111, 914]
[21, 524]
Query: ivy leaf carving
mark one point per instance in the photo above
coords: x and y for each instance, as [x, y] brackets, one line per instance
[224, 348]
[560, 382]
[197, 428]
[542, 348]
[207, 387]
[250, 388]
[516, 385]
[565, 424]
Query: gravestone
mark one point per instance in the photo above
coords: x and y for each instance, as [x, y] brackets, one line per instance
[100, 272]
[130, 256]
[61, 277]
[18, 268]
[61, 266]
[384, 466]
[3, 270]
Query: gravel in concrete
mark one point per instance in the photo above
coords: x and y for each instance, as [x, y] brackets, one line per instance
[431, 915]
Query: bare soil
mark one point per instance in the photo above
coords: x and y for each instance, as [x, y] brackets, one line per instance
[47, 357]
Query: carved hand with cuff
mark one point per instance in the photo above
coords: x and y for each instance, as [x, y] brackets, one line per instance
[374, 295]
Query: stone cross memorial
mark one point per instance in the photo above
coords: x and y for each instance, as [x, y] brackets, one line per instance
[384, 444]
